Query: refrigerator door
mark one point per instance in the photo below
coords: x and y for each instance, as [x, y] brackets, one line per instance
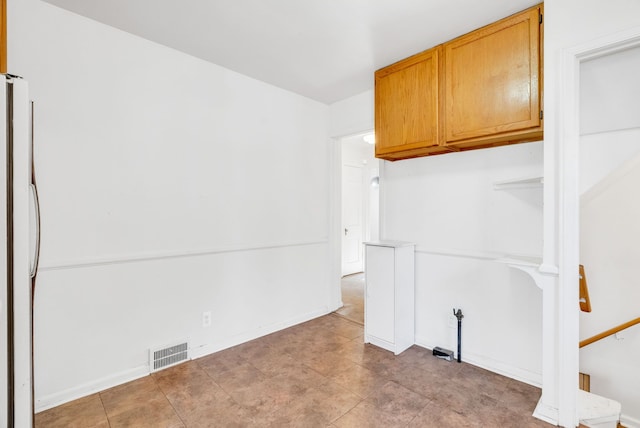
[17, 306]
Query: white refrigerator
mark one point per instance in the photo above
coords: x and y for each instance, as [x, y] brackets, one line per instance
[19, 225]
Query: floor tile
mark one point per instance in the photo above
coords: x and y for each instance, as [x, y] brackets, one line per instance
[353, 298]
[359, 380]
[239, 377]
[149, 412]
[328, 363]
[319, 373]
[366, 415]
[85, 412]
[220, 362]
[478, 379]
[434, 415]
[209, 407]
[130, 395]
[317, 407]
[180, 376]
[266, 396]
[398, 400]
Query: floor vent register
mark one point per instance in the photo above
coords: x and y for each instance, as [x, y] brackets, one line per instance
[168, 356]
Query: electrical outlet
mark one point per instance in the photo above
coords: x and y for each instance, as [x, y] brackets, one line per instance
[206, 319]
[453, 321]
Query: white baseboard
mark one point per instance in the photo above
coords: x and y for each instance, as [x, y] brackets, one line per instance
[61, 397]
[228, 342]
[546, 413]
[67, 395]
[629, 422]
[499, 367]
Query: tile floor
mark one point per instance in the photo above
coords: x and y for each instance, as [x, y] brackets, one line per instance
[353, 298]
[316, 374]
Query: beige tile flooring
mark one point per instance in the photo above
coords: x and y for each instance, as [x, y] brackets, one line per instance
[353, 298]
[316, 374]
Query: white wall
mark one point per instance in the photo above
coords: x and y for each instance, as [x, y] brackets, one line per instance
[609, 228]
[609, 238]
[352, 115]
[169, 186]
[447, 206]
[609, 117]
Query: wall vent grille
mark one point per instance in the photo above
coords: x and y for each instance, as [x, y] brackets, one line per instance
[168, 356]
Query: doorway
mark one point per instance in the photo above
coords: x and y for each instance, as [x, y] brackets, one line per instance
[359, 218]
[609, 174]
[566, 207]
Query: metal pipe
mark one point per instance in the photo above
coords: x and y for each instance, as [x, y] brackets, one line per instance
[459, 316]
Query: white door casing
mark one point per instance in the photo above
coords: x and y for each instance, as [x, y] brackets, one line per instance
[352, 219]
[567, 151]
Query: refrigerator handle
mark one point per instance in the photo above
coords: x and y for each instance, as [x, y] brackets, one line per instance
[36, 200]
[36, 204]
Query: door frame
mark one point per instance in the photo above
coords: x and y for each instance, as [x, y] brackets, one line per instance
[568, 212]
[335, 214]
[363, 216]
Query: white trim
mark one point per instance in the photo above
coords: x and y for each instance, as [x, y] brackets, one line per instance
[495, 366]
[382, 196]
[335, 222]
[520, 183]
[504, 258]
[228, 342]
[569, 211]
[335, 212]
[67, 395]
[545, 412]
[137, 258]
[460, 253]
[568, 241]
[629, 422]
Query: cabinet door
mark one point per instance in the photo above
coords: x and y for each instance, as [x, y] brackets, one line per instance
[406, 113]
[380, 288]
[492, 79]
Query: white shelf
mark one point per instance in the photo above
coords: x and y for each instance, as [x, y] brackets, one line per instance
[520, 183]
[504, 258]
[391, 244]
[462, 253]
[523, 261]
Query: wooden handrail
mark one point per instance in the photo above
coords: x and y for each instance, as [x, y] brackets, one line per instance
[609, 332]
[585, 303]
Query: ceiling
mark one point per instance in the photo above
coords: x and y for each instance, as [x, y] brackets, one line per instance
[326, 50]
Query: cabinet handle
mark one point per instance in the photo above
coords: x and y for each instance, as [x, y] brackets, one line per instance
[346, 231]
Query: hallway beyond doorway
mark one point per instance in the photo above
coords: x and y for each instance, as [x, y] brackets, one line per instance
[352, 298]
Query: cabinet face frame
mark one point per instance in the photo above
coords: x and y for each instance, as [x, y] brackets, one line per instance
[524, 128]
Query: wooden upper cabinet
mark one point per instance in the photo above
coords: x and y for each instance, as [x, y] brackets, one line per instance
[407, 107]
[482, 89]
[492, 83]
